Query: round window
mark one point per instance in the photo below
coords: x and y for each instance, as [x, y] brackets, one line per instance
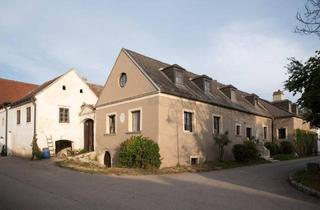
[123, 79]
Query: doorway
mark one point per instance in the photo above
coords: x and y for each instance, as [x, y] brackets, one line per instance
[88, 135]
[107, 159]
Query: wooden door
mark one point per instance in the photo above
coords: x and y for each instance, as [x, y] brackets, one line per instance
[88, 135]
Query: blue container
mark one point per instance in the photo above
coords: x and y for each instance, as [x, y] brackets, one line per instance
[45, 153]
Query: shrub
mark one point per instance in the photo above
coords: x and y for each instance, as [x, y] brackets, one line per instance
[239, 152]
[245, 152]
[139, 152]
[36, 152]
[272, 147]
[286, 147]
[305, 142]
[252, 151]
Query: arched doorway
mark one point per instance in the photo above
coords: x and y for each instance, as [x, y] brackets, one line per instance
[88, 135]
[107, 159]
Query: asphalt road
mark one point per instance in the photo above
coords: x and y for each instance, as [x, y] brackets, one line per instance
[41, 185]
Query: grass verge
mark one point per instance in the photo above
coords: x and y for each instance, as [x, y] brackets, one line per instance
[311, 180]
[209, 166]
[283, 157]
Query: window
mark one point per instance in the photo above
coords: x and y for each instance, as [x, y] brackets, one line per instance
[123, 79]
[179, 77]
[216, 124]
[194, 160]
[136, 120]
[248, 133]
[81, 91]
[111, 124]
[28, 114]
[265, 132]
[63, 87]
[238, 130]
[63, 115]
[206, 86]
[18, 116]
[188, 121]
[282, 133]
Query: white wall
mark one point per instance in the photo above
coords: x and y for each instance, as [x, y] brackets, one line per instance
[50, 100]
[20, 135]
[2, 127]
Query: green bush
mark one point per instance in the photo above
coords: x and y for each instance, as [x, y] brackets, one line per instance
[36, 152]
[272, 147]
[286, 147]
[245, 152]
[305, 142]
[139, 152]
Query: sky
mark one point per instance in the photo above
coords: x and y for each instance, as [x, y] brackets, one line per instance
[245, 43]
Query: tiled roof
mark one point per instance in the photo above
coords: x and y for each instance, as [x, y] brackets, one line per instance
[95, 88]
[153, 68]
[11, 90]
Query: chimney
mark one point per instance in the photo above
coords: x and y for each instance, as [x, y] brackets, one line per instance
[278, 95]
[252, 98]
[175, 73]
[203, 82]
[229, 91]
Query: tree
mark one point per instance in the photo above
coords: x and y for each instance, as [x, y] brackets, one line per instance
[222, 140]
[305, 79]
[310, 19]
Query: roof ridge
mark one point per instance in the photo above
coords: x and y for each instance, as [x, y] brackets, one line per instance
[140, 54]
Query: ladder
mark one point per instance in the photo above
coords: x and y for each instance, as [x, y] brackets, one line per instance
[50, 145]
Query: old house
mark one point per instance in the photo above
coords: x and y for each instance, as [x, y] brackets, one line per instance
[179, 110]
[60, 112]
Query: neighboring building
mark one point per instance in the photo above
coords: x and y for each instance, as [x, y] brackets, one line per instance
[179, 110]
[10, 91]
[60, 112]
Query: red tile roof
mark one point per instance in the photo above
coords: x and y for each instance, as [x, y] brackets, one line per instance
[11, 90]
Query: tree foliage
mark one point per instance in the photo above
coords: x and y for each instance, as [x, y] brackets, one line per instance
[305, 79]
[310, 19]
[222, 140]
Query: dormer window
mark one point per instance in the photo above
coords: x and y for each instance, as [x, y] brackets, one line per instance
[179, 78]
[203, 82]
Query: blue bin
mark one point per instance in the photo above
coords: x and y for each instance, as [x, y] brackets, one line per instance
[45, 153]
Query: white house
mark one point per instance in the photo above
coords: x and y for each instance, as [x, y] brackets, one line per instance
[60, 112]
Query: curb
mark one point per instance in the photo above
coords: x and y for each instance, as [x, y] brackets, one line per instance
[302, 187]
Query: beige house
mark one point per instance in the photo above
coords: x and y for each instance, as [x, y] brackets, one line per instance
[179, 110]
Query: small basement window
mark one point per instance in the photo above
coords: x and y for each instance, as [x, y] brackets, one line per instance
[63, 87]
[194, 160]
[81, 91]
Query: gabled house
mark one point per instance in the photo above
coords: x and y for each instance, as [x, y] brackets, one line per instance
[60, 112]
[179, 110]
[10, 91]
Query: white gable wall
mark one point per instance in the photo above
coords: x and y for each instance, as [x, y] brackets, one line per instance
[51, 99]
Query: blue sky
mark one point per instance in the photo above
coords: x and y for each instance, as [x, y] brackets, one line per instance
[245, 43]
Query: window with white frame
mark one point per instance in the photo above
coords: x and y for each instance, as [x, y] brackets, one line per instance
[111, 124]
[265, 132]
[207, 86]
[238, 130]
[188, 119]
[179, 77]
[216, 124]
[282, 133]
[135, 122]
